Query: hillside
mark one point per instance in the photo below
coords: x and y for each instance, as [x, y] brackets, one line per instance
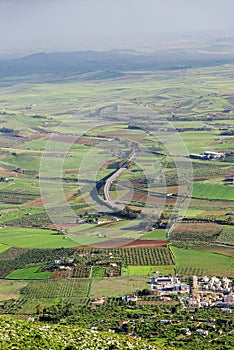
[25, 335]
[112, 63]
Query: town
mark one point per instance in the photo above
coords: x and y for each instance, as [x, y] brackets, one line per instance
[200, 292]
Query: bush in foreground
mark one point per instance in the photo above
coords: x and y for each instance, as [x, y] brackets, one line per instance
[16, 334]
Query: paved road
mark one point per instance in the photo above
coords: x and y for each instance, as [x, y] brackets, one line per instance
[114, 176]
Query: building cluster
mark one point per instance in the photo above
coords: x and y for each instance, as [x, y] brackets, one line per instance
[208, 292]
[208, 155]
[201, 292]
[162, 285]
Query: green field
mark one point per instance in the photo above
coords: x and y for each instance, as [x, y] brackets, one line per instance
[213, 191]
[29, 273]
[3, 247]
[10, 289]
[158, 234]
[34, 238]
[114, 287]
[196, 259]
[76, 288]
[147, 270]
[98, 271]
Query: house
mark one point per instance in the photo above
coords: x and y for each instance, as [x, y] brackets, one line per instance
[227, 310]
[121, 323]
[164, 321]
[99, 301]
[202, 332]
[113, 264]
[129, 298]
[212, 325]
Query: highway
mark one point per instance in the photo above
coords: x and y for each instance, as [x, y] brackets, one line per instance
[109, 181]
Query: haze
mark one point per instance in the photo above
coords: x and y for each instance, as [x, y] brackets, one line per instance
[52, 25]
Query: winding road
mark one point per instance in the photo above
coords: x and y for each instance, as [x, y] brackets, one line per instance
[111, 203]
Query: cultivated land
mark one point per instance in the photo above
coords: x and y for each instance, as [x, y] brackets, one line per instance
[86, 249]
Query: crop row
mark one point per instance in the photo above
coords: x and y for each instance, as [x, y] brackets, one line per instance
[190, 271]
[56, 289]
[135, 256]
[81, 271]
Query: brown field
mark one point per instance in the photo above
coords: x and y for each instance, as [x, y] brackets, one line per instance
[218, 250]
[5, 172]
[59, 274]
[203, 203]
[129, 243]
[141, 196]
[36, 203]
[195, 228]
[146, 243]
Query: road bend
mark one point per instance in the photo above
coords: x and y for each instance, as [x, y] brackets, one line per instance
[111, 203]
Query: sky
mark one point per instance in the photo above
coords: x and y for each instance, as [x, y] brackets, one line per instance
[59, 25]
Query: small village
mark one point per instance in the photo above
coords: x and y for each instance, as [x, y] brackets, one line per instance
[202, 291]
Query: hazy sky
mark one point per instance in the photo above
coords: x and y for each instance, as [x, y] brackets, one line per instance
[35, 25]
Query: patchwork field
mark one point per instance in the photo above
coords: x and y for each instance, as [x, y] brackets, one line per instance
[89, 128]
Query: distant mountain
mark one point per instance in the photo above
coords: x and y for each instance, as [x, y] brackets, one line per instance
[112, 63]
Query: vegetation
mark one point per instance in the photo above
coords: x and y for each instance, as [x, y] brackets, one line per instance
[19, 335]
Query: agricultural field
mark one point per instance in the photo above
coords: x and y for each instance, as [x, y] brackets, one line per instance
[196, 232]
[11, 289]
[213, 191]
[56, 289]
[200, 262]
[117, 286]
[28, 273]
[147, 270]
[226, 236]
[174, 223]
[33, 238]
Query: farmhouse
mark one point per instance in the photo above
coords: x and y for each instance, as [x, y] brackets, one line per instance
[214, 155]
[208, 155]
